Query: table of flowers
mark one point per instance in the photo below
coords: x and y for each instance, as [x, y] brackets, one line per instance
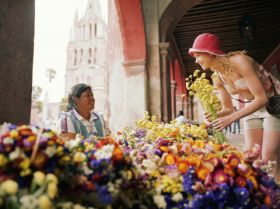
[154, 165]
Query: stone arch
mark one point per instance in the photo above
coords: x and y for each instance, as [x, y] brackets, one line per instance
[171, 16]
[131, 23]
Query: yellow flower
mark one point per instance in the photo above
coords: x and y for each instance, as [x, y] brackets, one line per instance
[3, 160]
[10, 187]
[39, 178]
[52, 190]
[52, 178]
[79, 157]
[25, 172]
[44, 202]
[25, 164]
[14, 134]
[195, 74]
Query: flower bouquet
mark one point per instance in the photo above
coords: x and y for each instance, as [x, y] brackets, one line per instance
[201, 88]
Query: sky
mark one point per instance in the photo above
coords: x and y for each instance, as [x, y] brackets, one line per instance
[53, 23]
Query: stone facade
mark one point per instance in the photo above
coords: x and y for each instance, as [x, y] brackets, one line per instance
[86, 52]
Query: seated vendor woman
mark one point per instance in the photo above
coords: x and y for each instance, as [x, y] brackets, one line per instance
[80, 117]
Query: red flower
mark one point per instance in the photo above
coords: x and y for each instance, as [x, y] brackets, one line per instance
[240, 181]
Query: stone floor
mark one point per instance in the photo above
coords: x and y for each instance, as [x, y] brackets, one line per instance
[236, 140]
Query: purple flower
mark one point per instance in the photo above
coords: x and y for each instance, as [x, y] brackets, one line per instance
[140, 133]
[242, 194]
[104, 195]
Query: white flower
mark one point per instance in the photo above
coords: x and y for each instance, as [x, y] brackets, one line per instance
[149, 165]
[15, 154]
[70, 144]
[86, 169]
[50, 151]
[105, 152]
[160, 201]
[8, 140]
[173, 148]
[28, 202]
[177, 197]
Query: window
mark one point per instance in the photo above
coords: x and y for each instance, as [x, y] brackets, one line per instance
[75, 57]
[81, 57]
[95, 29]
[89, 56]
[90, 31]
[95, 54]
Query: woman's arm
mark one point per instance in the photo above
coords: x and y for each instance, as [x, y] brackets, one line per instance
[227, 106]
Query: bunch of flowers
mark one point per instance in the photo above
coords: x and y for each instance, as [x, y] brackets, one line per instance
[198, 173]
[97, 169]
[200, 87]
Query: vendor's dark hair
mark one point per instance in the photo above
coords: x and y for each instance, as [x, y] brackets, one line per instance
[76, 91]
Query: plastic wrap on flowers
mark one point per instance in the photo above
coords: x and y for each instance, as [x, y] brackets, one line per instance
[192, 172]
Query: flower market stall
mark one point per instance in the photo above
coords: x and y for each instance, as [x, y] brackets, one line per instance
[156, 165]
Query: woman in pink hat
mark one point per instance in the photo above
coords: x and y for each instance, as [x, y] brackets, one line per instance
[235, 73]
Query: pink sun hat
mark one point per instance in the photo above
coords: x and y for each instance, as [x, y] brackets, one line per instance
[208, 43]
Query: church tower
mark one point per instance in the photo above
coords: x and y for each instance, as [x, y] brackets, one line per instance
[86, 53]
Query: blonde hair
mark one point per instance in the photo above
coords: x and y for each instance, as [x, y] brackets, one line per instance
[223, 61]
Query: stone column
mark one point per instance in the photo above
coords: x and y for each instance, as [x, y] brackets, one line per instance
[16, 59]
[135, 98]
[164, 81]
[173, 99]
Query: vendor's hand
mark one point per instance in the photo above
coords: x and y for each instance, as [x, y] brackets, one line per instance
[220, 123]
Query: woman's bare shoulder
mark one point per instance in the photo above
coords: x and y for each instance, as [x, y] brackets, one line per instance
[241, 62]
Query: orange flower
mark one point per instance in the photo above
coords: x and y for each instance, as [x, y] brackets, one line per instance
[233, 161]
[267, 200]
[254, 181]
[229, 171]
[169, 159]
[202, 172]
[193, 160]
[117, 153]
[182, 167]
[174, 133]
[163, 148]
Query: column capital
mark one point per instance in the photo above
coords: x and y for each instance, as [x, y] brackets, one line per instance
[163, 48]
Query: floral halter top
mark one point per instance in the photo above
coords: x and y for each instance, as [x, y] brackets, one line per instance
[239, 86]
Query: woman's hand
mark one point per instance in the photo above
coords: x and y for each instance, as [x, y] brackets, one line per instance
[222, 122]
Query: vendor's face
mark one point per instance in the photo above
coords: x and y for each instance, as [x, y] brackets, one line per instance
[86, 100]
[205, 60]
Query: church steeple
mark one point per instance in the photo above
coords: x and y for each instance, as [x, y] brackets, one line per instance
[93, 9]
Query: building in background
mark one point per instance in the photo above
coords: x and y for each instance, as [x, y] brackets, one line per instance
[86, 51]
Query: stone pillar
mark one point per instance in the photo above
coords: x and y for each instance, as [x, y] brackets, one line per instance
[164, 81]
[173, 99]
[16, 59]
[135, 98]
